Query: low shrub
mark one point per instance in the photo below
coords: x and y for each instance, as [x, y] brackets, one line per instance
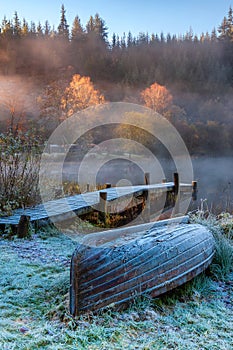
[221, 227]
[19, 171]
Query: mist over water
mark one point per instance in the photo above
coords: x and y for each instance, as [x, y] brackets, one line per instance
[213, 175]
[215, 182]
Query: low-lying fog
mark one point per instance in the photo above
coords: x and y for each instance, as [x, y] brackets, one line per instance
[214, 176]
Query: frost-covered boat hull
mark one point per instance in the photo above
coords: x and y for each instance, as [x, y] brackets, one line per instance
[152, 263]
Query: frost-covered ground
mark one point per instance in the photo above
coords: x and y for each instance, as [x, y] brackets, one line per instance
[34, 280]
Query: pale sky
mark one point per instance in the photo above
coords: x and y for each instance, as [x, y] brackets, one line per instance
[152, 16]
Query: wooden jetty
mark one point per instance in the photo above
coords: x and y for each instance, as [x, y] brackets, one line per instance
[108, 200]
[115, 267]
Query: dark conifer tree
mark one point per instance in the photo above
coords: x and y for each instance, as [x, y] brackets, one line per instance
[223, 29]
[213, 36]
[113, 40]
[101, 28]
[25, 28]
[96, 25]
[143, 39]
[129, 39]
[63, 28]
[90, 27]
[6, 28]
[123, 42]
[118, 44]
[230, 24]
[169, 38]
[77, 30]
[174, 38]
[157, 38]
[39, 30]
[16, 25]
[162, 39]
[32, 31]
[47, 29]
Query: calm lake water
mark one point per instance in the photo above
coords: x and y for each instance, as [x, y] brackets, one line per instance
[215, 182]
[214, 176]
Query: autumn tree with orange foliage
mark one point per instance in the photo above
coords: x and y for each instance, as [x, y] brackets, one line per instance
[157, 97]
[79, 95]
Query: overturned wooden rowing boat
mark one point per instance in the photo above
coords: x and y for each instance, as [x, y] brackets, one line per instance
[114, 267]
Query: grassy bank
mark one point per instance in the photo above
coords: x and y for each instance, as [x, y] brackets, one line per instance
[34, 304]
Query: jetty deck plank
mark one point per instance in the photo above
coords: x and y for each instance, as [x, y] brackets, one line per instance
[81, 202]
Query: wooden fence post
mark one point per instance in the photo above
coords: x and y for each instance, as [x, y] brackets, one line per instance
[147, 178]
[194, 190]
[146, 194]
[176, 183]
[176, 194]
[23, 226]
[103, 206]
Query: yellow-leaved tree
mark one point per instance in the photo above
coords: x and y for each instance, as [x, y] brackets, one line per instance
[79, 95]
[157, 97]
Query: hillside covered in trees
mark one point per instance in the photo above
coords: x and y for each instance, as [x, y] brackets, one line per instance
[39, 64]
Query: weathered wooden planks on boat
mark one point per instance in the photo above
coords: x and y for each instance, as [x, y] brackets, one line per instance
[130, 262]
